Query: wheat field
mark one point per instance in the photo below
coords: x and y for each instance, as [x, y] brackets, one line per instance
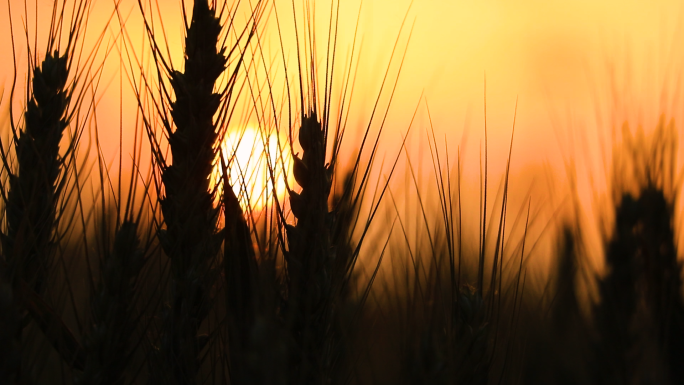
[213, 192]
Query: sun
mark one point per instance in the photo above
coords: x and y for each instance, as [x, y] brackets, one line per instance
[249, 160]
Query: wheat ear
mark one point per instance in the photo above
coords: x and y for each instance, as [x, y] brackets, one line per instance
[31, 201]
[191, 240]
[614, 314]
[241, 275]
[310, 295]
[30, 204]
[108, 343]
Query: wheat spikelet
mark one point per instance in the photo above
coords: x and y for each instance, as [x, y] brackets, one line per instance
[660, 278]
[191, 240]
[320, 259]
[30, 206]
[640, 319]
[618, 297]
[32, 197]
[474, 339]
[458, 353]
[641, 307]
[242, 291]
[108, 343]
[310, 295]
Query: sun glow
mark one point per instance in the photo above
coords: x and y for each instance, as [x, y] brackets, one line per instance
[253, 165]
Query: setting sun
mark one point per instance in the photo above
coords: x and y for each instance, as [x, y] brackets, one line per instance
[248, 161]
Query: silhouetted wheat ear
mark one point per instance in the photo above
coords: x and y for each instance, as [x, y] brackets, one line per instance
[459, 352]
[641, 294]
[473, 338]
[33, 194]
[561, 354]
[660, 278]
[191, 240]
[108, 343]
[614, 314]
[240, 271]
[311, 297]
[565, 310]
[30, 206]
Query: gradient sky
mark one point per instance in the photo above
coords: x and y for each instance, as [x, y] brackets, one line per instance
[551, 55]
[577, 68]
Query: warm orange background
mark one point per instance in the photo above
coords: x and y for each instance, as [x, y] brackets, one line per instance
[578, 68]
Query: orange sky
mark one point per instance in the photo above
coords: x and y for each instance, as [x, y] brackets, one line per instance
[554, 56]
[547, 53]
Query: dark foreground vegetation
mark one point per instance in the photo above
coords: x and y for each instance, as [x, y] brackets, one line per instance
[171, 277]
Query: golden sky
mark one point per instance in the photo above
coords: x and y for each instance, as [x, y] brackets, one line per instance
[552, 55]
[577, 68]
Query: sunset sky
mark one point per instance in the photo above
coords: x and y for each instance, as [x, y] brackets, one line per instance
[577, 68]
[552, 55]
